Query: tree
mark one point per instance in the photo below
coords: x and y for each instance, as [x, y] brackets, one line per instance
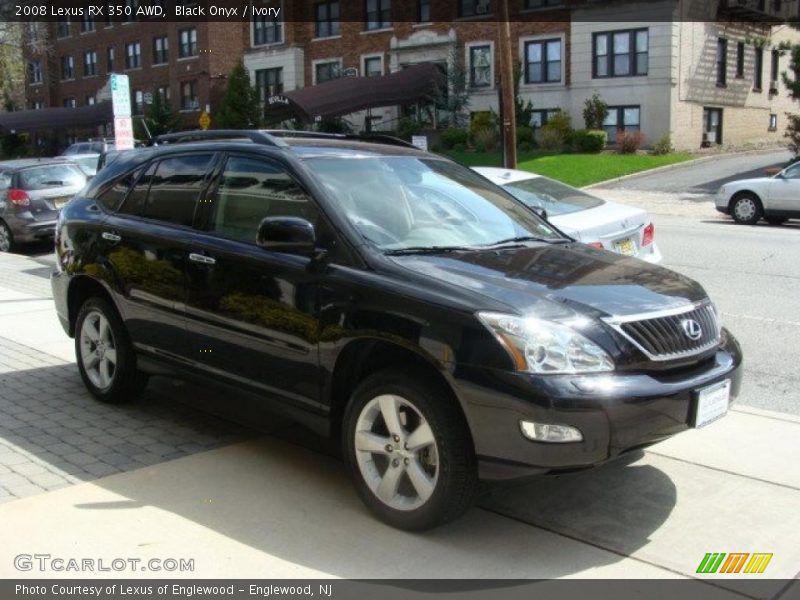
[160, 118]
[12, 66]
[239, 108]
[595, 111]
[453, 95]
[523, 108]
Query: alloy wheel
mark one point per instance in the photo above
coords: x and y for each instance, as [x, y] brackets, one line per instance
[98, 350]
[396, 452]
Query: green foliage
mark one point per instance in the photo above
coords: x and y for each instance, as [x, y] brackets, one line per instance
[793, 133]
[525, 148]
[524, 135]
[453, 96]
[334, 125]
[160, 118]
[628, 142]
[460, 147]
[663, 145]
[485, 139]
[589, 140]
[452, 136]
[595, 111]
[482, 121]
[523, 109]
[551, 139]
[408, 127]
[12, 145]
[239, 108]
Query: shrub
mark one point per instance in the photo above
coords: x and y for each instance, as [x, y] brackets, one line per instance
[551, 140]
[485, 139]
[437, 148]
[408, 127]
[481, 121]
[663, 145]
[460, 147]
[524, 135]
[629, 142]
[562, 123]
[525, 148]
[452, 136]
[589, 141]
[595, 112]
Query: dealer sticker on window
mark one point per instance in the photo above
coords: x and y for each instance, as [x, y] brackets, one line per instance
[712, 403]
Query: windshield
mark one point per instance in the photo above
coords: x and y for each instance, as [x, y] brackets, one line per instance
[556, 198]
[88, 164]
[40, 178]
[400, 203]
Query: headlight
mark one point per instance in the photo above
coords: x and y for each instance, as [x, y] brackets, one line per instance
[542, 346]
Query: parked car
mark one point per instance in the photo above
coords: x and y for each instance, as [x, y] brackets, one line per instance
[95, 147]
[583, 216]
[32, 191]
[775, 199]
[390, 298]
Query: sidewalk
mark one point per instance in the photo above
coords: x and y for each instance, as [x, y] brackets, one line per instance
[247, 505]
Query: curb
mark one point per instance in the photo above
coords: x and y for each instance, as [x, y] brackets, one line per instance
[694, 161]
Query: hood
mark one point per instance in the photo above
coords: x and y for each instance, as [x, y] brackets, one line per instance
[591, 281]
[746, 182]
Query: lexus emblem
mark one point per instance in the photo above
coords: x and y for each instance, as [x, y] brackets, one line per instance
[692, 329]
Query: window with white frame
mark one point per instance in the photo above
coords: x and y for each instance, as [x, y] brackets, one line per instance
[379, 14]
[87, 24]
[67, 67]
[62, 28]
[474, 8]
[620, 53]
[269, 82]
[480, 65]
[89, 63]
[110, 58]
[327, 70]
[133, 55]
[326, 19]
[187, 42]
[267, 30]
[35, 71]
[372, 66]
[540, 117]
[622, 118]
[160, 50]
[543, 61]
[163, 91]
[189, 98]
[138, 102]
[90, 100]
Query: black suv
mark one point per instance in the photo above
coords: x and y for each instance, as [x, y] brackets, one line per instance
[389, 297]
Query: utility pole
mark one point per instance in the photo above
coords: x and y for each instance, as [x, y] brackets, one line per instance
[507, 105]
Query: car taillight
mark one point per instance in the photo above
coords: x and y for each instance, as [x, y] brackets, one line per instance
[19, 197]
[598, 245]
[648, 234]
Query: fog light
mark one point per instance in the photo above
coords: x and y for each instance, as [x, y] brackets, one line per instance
[545, 432]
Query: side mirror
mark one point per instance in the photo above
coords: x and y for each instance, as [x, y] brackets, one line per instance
[286, 234]
[541, 212]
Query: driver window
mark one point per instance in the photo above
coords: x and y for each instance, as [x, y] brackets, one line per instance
[250, 190]
[792, 172]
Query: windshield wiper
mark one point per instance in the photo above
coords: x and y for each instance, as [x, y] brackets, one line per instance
[427, 250]
[527, 238]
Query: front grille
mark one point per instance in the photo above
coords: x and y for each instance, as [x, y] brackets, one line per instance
[663, 336]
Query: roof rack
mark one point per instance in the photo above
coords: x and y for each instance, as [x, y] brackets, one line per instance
[200, 135]
[364, 137]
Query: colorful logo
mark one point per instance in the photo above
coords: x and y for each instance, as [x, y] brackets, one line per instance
[734, 562]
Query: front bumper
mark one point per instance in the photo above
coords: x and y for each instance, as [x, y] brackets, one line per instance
[615, 412]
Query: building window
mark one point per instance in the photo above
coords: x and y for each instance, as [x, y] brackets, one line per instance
[269, 82]
[133, 5]
[373, 66]
[620, 53]
[89, 63]
[267, 30]
[758, 69]
[160, 50]
[543, 61]
[188, 43]
[138, 102]
[621, 118]
[722, 62]
[773, 122]
[473, 8]
[325, 71]
[480, 66]
[37, 105]
[110, 58]
[69, 103]
[539, 118]
[774, 73]
[62, 29]
[712, 126]
[163, 91]
[133, 55]
[423, 11]
[327, 22]
[740, 60]
[87, 24]
[90, 100]
[67, 67]
[531, 4]
[189, 99]
[379, 14]
[35, 71]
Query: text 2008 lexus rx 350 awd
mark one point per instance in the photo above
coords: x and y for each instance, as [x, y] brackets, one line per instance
[388, 297]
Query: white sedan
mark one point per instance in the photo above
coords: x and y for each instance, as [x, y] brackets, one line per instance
[776, 199]
[588, 219]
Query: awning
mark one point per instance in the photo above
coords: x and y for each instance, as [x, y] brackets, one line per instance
[57, 118]
[350, 94]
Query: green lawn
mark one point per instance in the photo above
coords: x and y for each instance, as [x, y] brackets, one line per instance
[574, 169]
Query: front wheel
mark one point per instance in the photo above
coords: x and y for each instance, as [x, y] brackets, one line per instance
[409, 450]
[6, 238]
[746, 209]
[106, 359]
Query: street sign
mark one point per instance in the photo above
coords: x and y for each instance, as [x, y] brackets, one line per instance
[123, 133]
[350, 72]
[204, 121]
[148, 98]
[120, 95]
[420, 141]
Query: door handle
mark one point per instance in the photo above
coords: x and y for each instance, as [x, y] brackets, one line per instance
[202, 259]
[111, 237]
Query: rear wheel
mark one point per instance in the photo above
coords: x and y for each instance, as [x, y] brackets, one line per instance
[6, 238]
[409, 450]
[105, 356]
[746, 209]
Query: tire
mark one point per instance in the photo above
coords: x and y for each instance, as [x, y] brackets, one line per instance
[775, 220]
[105, 356]
[409, 488]
[6, 238]
[746, 209]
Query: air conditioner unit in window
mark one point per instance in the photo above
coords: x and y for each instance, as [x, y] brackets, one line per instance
[482, 7]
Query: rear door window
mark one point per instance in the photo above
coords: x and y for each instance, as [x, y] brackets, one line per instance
[175, 188]
[113, 197]
[136, 198]
[51, 176]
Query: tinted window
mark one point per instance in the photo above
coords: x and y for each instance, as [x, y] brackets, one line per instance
[250, 190]
[113, 196]
[51, 176]
[5, 180]
[175, 187]
[134, 205]
[556, 198]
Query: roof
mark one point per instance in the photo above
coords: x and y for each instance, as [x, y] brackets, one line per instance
[315, 147]
[347, 95]
[23, 163]
[57, 118]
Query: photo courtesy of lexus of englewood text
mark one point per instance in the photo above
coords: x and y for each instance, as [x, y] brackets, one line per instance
[399, 298]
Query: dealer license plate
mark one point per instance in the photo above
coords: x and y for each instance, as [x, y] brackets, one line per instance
[711, 403]
[625, 246]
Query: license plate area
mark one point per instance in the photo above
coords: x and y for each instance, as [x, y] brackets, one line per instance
[59, 202]
[711, 403]
[625, 246]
